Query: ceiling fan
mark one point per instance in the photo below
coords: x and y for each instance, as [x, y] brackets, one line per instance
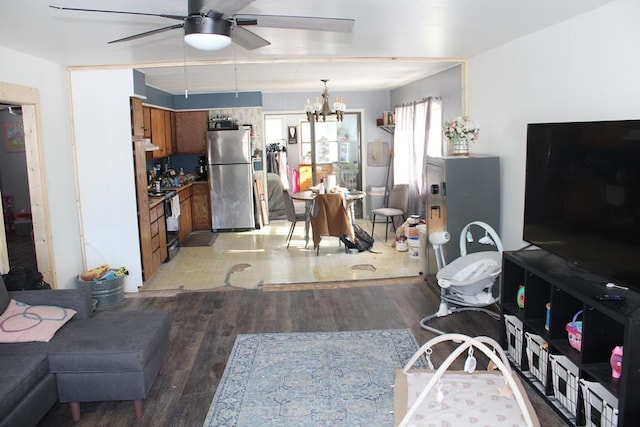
[213, 24]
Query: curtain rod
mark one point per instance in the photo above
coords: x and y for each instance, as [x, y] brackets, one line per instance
[406, 104]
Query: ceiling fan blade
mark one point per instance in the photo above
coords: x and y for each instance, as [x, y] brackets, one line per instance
[161, 15]
[248, 39]
[340, 25]
[226, 7]
[148, 33]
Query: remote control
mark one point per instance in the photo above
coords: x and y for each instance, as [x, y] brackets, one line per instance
[609, 297]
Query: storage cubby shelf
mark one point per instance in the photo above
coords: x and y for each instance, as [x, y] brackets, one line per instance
[548, 278]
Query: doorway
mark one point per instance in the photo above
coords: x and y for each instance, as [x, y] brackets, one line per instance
[27, 99]
[337, 149]
[14, 187]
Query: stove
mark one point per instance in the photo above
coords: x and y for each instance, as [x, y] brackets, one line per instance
[167, 194]
[173, 235]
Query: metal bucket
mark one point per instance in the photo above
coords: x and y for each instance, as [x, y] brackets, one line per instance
[106, 292]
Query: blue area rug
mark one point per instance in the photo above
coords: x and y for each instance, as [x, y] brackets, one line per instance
[311, 379]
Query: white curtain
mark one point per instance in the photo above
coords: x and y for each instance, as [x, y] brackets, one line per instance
[411, 140]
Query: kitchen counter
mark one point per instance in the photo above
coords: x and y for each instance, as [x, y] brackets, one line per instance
[155, 201]
[195, 207]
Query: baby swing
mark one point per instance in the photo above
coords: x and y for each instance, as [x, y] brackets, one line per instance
[467, 282]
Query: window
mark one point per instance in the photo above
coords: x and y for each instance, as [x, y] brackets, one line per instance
[274, 128]
[435, 130]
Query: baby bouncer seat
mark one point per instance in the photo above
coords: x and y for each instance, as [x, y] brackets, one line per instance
[467, 283]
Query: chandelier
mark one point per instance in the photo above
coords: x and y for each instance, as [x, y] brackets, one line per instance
[322, 109]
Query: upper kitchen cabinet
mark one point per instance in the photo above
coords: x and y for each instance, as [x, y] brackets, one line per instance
[169, 143]
[146, 121]
[191, 131]
[137, 117]
[158, 134]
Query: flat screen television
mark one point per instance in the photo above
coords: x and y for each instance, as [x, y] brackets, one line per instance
[582, 196]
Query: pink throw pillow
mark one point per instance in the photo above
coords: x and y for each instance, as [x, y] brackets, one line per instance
[21, 322]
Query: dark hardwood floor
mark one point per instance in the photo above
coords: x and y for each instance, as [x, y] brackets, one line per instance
[205, 325]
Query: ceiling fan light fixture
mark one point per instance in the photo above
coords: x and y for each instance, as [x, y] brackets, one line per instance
[207, 33]
[207, 41]
[322, 109]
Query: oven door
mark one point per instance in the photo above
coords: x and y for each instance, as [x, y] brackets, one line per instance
[172, 226]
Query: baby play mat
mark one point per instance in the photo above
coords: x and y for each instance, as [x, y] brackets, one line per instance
[468, 400]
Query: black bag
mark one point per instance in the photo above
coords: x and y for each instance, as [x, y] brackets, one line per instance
[363, 240]
[24, 279]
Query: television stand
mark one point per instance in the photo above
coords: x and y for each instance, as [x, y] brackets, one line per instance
[547, 279]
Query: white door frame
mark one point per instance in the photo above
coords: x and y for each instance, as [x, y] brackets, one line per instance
[29, 99]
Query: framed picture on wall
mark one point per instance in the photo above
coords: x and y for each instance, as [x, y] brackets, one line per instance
[14, 135]
[293, 135]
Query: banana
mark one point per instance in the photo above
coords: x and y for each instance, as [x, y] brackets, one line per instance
[94, 273]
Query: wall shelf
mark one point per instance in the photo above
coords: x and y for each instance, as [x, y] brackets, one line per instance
[387, 128]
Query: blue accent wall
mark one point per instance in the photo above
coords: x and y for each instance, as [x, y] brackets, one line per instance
[139, 88]
[206, 101]
[218, 100]
[159, 98]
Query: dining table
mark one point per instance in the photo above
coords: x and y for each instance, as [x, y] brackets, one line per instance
[307, 196]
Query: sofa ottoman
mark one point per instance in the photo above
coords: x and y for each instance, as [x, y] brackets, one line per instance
[111, 356]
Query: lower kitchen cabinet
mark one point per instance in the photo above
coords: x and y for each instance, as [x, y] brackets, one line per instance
[158, 237]
[151, 223]
[185, 227]
[201, 206]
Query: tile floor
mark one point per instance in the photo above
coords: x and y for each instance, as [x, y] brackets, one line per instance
[250, 259]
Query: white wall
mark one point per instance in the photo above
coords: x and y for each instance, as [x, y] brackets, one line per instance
[447, 85]
[102, 131]
[59, 170]
[582, 69]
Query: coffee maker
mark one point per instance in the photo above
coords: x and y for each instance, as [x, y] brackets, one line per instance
[201, 170]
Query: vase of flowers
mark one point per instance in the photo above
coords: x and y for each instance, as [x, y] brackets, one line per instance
[460, 132]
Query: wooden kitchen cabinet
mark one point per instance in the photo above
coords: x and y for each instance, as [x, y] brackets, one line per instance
[201, 206]
[146, 121]
[137, 117]
[158, 135]
[185, 227]
[174, 142]
[168, 134]
[158, 236]
[144, 213]
[191, 132]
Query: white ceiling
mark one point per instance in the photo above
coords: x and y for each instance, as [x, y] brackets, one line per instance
[393, 42]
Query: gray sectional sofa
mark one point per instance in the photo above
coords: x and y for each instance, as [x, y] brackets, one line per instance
[102, 356]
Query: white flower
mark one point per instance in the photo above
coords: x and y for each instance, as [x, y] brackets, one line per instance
[461, 128]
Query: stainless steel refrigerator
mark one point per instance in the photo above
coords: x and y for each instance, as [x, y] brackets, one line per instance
[230, 179]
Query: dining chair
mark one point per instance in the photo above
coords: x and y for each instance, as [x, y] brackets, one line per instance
[292, 216]
[397, 206]
[330, 217]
